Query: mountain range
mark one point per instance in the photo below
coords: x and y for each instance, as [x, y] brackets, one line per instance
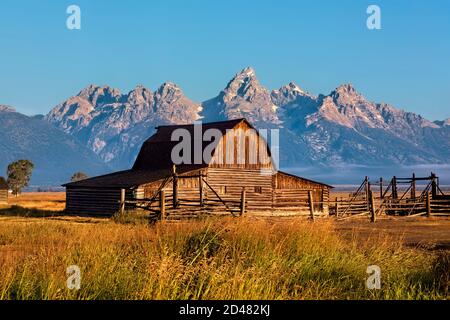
[56, 155]
[341, 128]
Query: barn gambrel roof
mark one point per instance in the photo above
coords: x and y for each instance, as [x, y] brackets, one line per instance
[156, 151]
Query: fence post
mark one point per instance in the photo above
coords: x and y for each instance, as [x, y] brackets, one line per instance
[122, 202]
[200, 187]
[337, 207]
[243, 196]
[162, 205]
[428, 204]
[381, 188]
[175, 186]
[413, 187]
[394, 188]
[368, 194]
[372, 207]
[366, 186]
[433, 186]
[311, 204]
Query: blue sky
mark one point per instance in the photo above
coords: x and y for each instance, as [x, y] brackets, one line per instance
[201, 44]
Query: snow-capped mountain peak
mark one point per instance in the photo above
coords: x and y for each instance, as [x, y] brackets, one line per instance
[341, 127]
[443, 123]
[100, 95]
[111, 123]
[245, 85]
[288, 94]
[5, 108]
[243, 97]
[447, 123]
[346, 88]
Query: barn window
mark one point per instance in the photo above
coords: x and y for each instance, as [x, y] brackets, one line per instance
[258, 189]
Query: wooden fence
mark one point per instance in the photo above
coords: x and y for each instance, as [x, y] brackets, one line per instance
[170, 206]
[394, 201]
[370, 200]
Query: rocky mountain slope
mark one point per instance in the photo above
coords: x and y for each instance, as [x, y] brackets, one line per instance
[243, 97]
[56, 155]
[114, 125]
[342, 127]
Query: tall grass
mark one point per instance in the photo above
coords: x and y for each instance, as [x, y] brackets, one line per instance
[218, 259]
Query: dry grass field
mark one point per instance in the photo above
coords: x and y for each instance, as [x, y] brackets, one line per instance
[217, 259]
[51, 201]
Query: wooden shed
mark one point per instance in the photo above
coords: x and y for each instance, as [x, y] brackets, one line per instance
[3, 191]
[235, 164]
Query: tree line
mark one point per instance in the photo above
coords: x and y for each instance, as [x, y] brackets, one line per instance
[19, 174]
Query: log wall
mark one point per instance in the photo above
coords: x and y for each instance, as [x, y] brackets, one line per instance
[3, 196]
[291, 195]
[229, 183]
[94, 201]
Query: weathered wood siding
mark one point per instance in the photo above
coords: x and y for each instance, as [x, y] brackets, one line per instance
[242, 148]
[187, 187]
[291, 194]
[94, 201]
[230, 182]
[3, 196]
[242, 160]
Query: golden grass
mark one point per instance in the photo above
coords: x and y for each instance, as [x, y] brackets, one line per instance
[213, 259]
[49, 201]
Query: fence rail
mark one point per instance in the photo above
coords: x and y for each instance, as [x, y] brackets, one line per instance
[431, 202]
[363, 202]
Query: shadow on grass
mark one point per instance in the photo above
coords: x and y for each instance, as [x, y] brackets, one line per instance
[134, 218]
[61, 215]
[18, 211]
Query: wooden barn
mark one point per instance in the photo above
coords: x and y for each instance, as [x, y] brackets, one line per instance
[234, 172]
[3, 191]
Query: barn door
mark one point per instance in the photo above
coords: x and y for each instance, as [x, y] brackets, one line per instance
[318, 200]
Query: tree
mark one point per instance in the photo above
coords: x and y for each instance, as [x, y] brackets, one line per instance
[79, 176]
[19, 174]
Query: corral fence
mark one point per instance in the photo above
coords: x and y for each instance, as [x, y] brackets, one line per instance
[167, 203]
[400, 197]
[168, 206]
